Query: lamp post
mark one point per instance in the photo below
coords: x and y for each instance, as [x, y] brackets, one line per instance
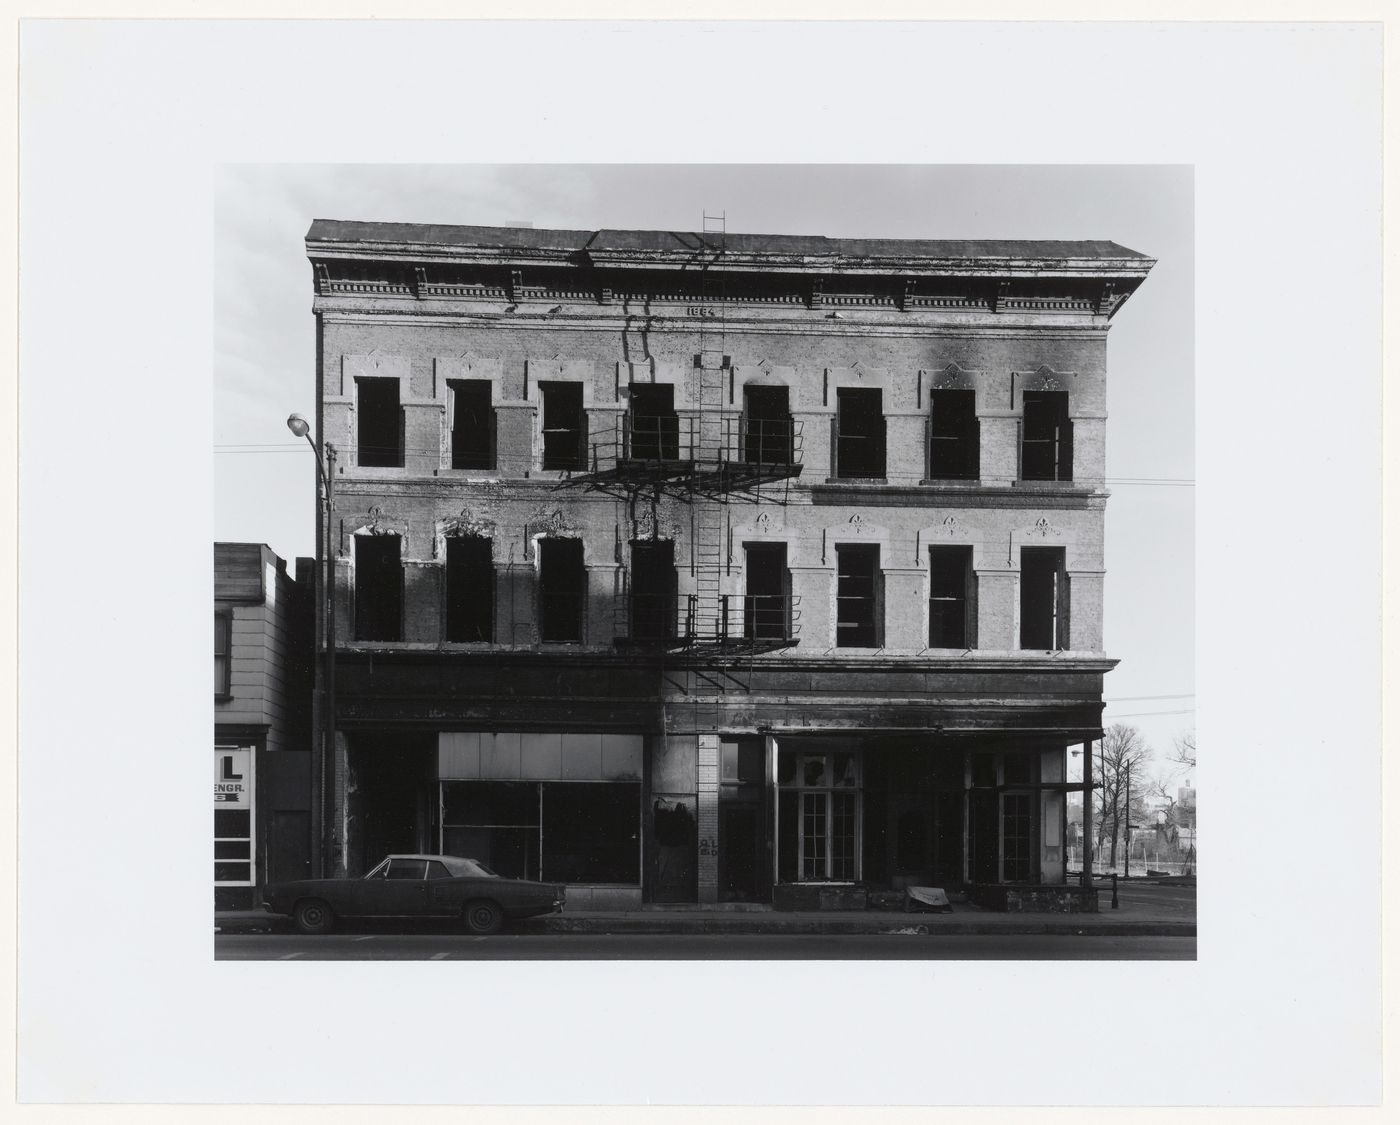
[322, 748]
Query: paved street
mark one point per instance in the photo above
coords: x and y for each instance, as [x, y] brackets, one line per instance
[693, 947]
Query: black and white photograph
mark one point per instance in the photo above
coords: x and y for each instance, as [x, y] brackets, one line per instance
[707, 590]
[721, 541]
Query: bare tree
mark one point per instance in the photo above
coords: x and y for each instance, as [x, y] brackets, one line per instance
[1123, 782]
[1184, 749]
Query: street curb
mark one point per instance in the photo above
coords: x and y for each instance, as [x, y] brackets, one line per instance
[769, 925]
[859, 926]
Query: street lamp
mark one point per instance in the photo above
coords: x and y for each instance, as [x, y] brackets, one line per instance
[323, 747]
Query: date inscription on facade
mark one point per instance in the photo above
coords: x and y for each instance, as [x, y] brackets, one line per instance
[707, 311]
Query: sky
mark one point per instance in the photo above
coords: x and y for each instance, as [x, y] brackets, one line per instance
[264, 479]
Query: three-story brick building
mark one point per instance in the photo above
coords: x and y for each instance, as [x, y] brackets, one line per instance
[706, 567]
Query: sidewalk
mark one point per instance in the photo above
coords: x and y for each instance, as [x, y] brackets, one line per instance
[1136, 919]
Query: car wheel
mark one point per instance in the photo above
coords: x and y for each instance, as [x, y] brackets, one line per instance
[484, 917]
[313, 916]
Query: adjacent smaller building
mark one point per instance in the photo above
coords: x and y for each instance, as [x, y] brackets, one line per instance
[262, 731]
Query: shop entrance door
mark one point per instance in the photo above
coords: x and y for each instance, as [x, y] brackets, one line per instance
[741, 866]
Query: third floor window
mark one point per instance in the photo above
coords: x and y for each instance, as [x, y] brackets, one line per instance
[565, 427]
[1047, 437]
[379, 422]
[953, 435]
[473, 424]
[860, 432]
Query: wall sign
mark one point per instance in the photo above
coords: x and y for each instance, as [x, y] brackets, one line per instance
[233, 778]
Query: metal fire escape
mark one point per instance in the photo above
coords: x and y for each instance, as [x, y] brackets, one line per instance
[705, 460]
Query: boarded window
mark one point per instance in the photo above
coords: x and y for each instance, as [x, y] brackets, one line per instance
[652, 604]
[378, 588]
[858, 596]
[950, 622]
[565, 427]
[1044, 598]
[380, 423]
[223, 651]
[471, 590]
[954, 435]
[768, 592]
[562, 585]
[768, 427]
[473, 424]
[860, 432]
[653, 427]
[1047, 437]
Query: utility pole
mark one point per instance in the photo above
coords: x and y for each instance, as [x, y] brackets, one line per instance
[1127, 812]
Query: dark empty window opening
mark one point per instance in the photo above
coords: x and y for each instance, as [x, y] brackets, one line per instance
[473, 424]
[950, 623]
[953, 436]
[1044, 598]
[380, 422]
[858, 597]
[471, 590]
[378, 588]
[562, 585]
[653, 428]
[652, 606]
[565, 427]
[860, 432]
[767, 592]
[767, 426]
[1047, 437]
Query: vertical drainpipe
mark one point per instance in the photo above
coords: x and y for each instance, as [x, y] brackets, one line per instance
[772, 745]
[967, 816]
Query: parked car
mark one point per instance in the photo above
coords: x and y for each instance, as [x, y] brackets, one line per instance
[415, 886]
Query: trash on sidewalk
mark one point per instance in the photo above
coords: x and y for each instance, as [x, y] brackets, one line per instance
[927, 898]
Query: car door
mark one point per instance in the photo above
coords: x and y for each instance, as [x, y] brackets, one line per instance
[404, 889]
[446, 894]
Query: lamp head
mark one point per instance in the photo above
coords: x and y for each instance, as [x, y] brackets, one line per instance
[298, 425]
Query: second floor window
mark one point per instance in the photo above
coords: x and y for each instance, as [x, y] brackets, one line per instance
[473, 424]
[858, 596]
[950, 621]
[767, 592]
[1047, 437]
[563, 583]
[653, 597]
[953, 435]
[378, 588]
[1044, 599]
[471, 590]
[860, 432]
[379, 422]
[565, 427]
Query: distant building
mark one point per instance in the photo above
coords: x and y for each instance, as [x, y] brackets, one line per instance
[262, 699]
[704, 567]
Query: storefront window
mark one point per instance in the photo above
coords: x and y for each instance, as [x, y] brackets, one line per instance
[558, 831]
[818, 817]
